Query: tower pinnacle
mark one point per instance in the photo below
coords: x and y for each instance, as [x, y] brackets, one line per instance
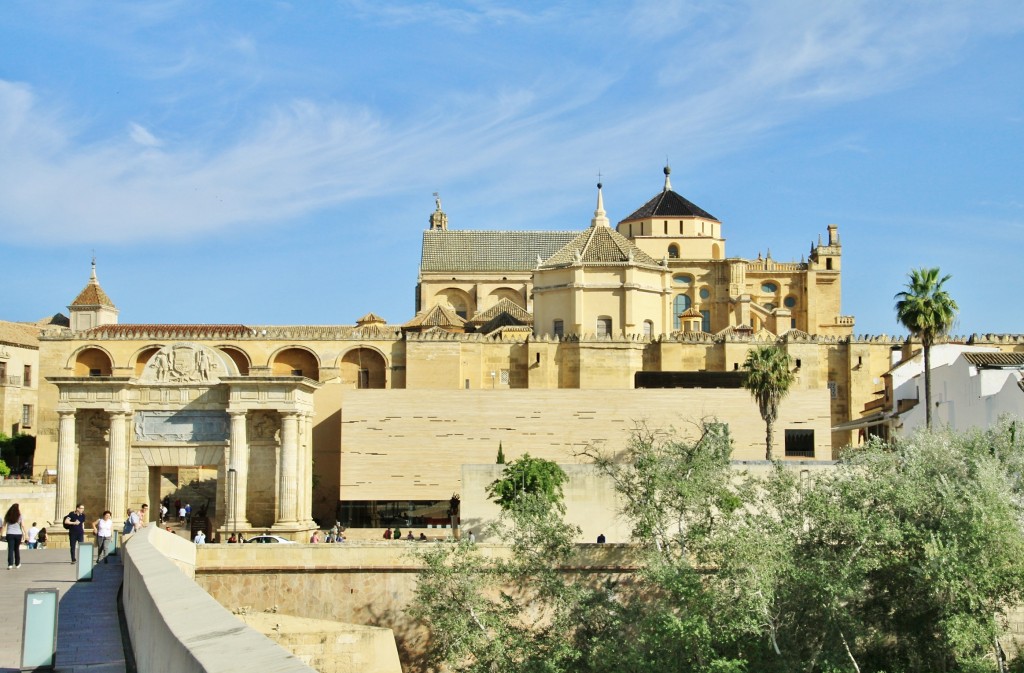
[600, 218]
[668, 183]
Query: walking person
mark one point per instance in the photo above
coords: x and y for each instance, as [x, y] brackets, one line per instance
[12, 529]
[104, 529]
[33, 536]
[74, 522]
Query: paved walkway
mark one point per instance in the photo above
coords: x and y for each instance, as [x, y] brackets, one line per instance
[88, 629]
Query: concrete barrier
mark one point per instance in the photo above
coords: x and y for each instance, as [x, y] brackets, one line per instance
[176, 626]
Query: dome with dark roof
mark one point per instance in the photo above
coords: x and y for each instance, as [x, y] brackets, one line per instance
[669, 204]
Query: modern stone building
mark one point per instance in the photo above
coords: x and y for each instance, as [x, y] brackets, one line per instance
[546, 342]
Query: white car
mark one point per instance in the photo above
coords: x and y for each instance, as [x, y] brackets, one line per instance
[268, 539]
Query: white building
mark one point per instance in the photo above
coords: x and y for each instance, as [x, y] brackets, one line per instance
[972, 387]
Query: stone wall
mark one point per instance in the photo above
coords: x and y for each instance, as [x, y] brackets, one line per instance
[411, 444]
[36, 502]
[175, 625]
[368, 583]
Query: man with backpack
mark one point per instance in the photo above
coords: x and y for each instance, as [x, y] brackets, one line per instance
[74, 523]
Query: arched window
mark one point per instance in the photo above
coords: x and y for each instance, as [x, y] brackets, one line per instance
[682, 279]
[673, 251]
[648, 329]
[681, 304]
[604, 326]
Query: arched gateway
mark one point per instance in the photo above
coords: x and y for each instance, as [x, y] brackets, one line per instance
[187, 416]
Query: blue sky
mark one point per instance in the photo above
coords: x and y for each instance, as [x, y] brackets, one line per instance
[274, 162]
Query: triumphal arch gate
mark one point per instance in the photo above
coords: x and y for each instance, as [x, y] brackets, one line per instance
[189, 417]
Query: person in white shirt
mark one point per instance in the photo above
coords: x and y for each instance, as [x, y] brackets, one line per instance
[33, 536]
[200, 538]
[104, 529]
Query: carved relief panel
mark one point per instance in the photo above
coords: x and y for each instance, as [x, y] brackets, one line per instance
[264, 426]
[93, 426]
[187, 362]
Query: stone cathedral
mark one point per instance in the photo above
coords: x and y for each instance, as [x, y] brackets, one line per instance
[545, 342]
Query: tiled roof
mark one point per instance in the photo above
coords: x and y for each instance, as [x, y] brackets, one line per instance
[669, 204]
[169, 330]
[504, 305]
[489, 250]
[19, 334]
[92, 295]
[521, 331]
[599, 245]
[691, 312]
[436, 316]
[995, 359]
[371, 319]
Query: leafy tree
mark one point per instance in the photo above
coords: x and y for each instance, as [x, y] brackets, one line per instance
[489, 614]
[904, 557]
[528, 475]
[4, 470]
[927, 311]
[768, 379]
[501, 455]
[17, 449]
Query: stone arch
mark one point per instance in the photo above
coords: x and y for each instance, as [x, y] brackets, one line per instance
[239, 357]
[459, 300]
[295, 361]
[716, 251]
[364, 367]
[513, 295]
[142, 357]
[92, 361]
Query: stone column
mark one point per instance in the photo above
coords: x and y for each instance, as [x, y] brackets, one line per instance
[117, 466]
[287, 469]
[307, 438]
[304, 472]
[239, 462]
[67, 465]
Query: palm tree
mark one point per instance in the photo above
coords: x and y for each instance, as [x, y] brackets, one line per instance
[927, 311]
[768, 379]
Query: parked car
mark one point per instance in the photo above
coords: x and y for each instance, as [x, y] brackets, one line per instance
[268, 539]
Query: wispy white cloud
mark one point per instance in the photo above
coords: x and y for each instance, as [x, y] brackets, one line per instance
[461, 16]
[142, 136]
[738, 73]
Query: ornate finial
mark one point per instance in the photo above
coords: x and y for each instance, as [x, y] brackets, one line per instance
[438, 218]
[600, 217]
[92, 274]
[668, 171]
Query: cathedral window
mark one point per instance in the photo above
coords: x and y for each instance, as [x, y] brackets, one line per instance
[682, 279]
[648, 329]
[558, 329]
[673, 251]
[604, 326]
[789, 302]
[705, 321]
[770, 288]
[705, 293]
[680, 305]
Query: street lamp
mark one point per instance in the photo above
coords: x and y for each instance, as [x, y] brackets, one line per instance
[233, 485]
